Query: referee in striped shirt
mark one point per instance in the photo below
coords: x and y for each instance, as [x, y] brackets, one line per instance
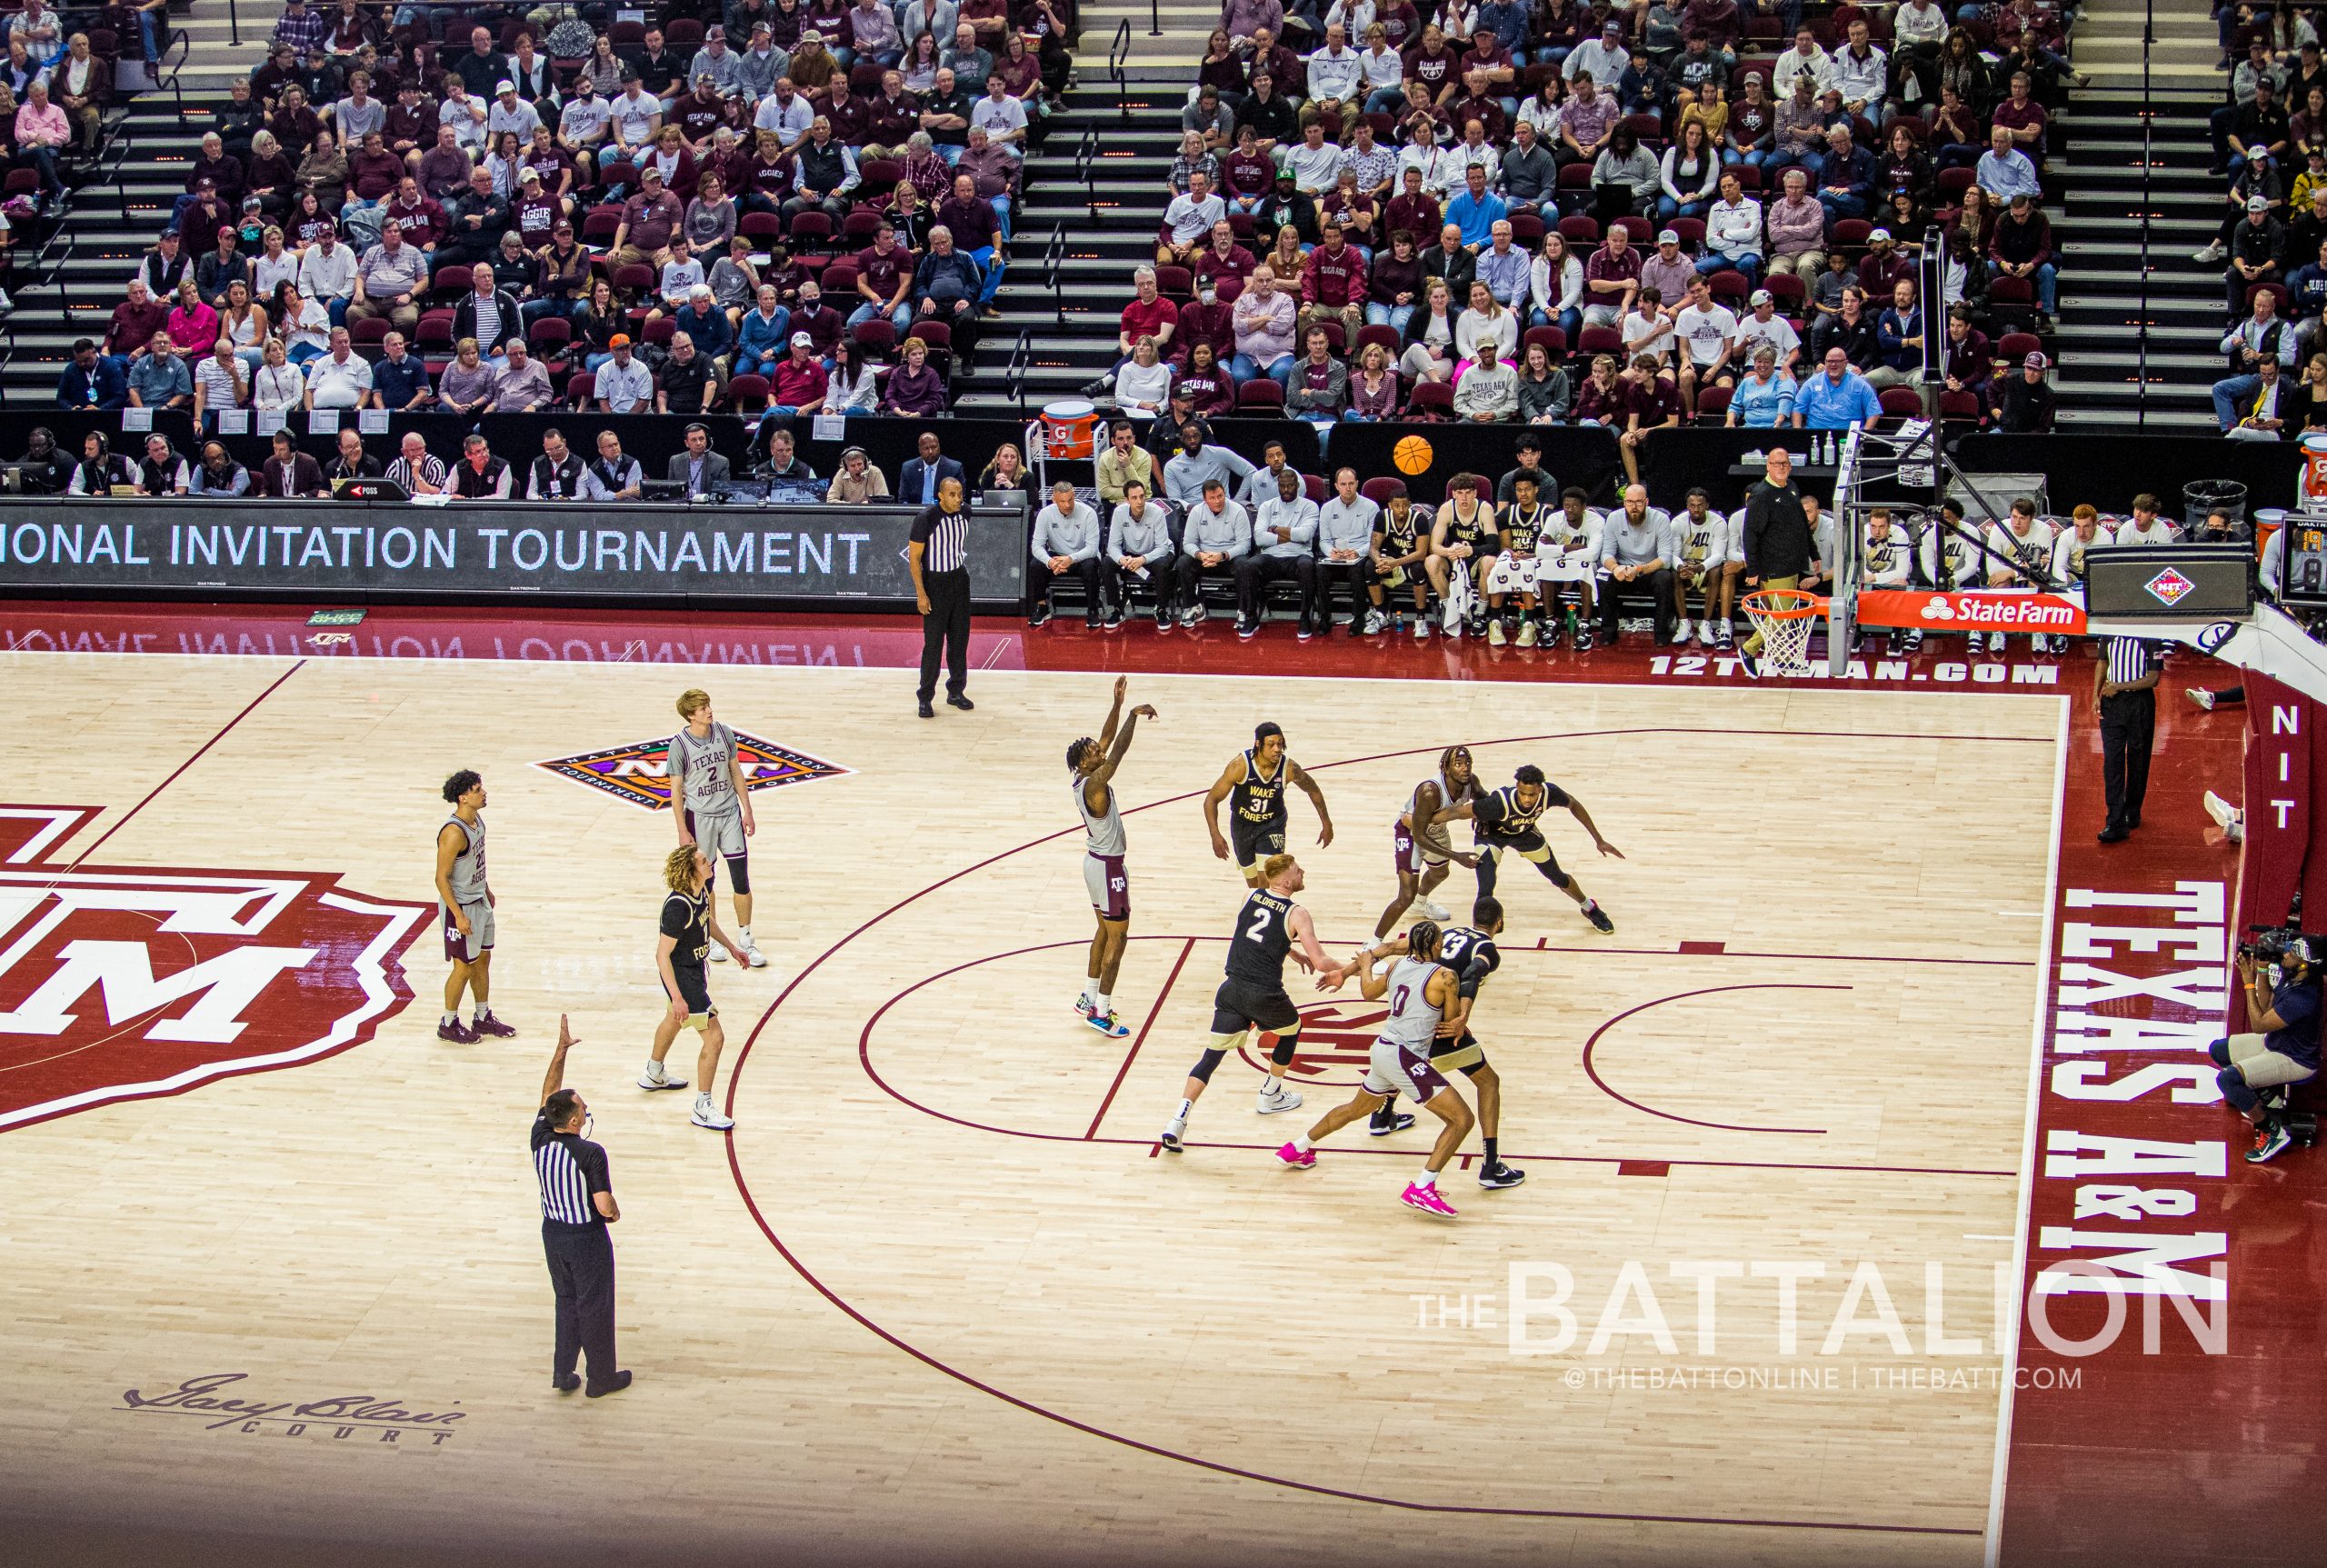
[577, 1206]
[937, 553]
[2125, 688]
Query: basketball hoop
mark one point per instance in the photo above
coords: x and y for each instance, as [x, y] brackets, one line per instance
[1784, 617]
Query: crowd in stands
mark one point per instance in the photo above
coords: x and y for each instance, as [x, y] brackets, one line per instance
[1544, 212]
[783, 206]
[2270, 142]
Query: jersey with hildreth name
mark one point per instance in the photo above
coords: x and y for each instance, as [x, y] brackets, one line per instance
[1258, 798]
[1414, 1017]
[467, 876]
[1882, 562]
[1256, 953]
[1103, 831]
[699, 767]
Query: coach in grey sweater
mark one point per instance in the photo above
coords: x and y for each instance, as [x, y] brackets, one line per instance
[1217, 534]
[1139, 550]
[1066, 547]
[1346, 525]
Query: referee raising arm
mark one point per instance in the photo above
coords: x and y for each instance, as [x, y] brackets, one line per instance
[577, 1206]
[2124, 686]
[937, 553]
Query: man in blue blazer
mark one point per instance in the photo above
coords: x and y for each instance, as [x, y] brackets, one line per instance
[917, 482]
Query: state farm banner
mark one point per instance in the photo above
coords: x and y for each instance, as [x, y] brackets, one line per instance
[1998, 610]
[484, 549]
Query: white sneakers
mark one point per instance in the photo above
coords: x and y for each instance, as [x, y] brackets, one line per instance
[2227, 818]
[1422, 628]
[656, 1075]
[752, 953]
[1374, 621]
[1495, 633]
[706, 1116]
[1527, 634]
[2210, 256]
[1430, 911]
[1681, 632]
[1283, 1100]
[1704, 633]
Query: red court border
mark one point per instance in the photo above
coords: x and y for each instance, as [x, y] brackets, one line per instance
[743, 1184]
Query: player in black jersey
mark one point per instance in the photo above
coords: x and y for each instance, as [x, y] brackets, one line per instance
[1463, 544]
[688, 930]
[1470, 951]
[1400, 557]
[1253, 994]
[1257, 816]
[1505, 820]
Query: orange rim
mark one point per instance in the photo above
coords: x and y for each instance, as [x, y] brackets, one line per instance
[1783, 605]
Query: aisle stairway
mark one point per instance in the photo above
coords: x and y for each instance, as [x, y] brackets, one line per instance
[2097, 224]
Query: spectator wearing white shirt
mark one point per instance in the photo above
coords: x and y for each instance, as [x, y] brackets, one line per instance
[467, 113]
[340, 379]
[1863, 73]
[1733, 234]
[1485, 322]
[1313, 162]
[328, 275]
[1384, 69]
[1336, 78]
[788, 113]
[1805, 56]
[625, 385]
[1707, 332]
[1555, 287]
[1001, 117]
[1765, 326]
[277, 384]
[1188, 221]
[510, 113]
[635, 115]
[219, 381]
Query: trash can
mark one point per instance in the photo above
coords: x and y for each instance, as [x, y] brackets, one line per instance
[2201, 497]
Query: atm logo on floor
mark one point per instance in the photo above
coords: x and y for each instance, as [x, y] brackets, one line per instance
[640, 773]
[128, 983]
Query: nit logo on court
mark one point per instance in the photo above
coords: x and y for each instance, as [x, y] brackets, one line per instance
[640, 773]
[129, 983]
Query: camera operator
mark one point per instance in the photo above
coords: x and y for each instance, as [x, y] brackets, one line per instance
[2282, 984]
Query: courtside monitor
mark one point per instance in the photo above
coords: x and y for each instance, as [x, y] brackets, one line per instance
[2169, 583]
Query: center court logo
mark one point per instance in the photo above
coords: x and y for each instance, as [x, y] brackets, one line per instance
[640, 772]
[121, 983]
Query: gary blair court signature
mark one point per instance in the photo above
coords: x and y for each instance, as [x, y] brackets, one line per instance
[217, 1398]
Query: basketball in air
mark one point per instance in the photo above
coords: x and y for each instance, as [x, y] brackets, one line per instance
[1411, 454]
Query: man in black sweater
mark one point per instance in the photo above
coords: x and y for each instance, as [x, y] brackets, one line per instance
[1777, 540]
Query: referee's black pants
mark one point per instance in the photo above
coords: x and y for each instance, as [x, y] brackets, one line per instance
[582, 1272]
[946, 627]
[2128, 720]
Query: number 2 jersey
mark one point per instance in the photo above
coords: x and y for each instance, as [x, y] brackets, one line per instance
[1264, 936]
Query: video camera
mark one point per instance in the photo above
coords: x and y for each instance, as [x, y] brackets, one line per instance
[2275, 943]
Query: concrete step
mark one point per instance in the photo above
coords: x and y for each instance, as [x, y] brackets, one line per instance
[2125, 49]
[2159, 419]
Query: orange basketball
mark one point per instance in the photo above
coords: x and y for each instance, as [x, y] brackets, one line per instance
[1411, 454]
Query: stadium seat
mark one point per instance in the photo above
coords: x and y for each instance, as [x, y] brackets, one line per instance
[1262, 396]
[1902, 403]
[1552, 338]
[1598, 340]
[1713, 404]
[581, 388]
[1431, 400]
[747, 394]
[1581, 229]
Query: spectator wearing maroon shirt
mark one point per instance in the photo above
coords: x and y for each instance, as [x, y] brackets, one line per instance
[852, 116]
[1969, 362]
[136, 320]
[820, 321]
[1413, 209]
[2025, 117]
[1334, 285]
[1394, 283]
[913, 387]
[1247, 175]
[1496, 69]
[797, 385]
[969, 219]
[1605, 398]
[421, 218]
[1211, 391]
[1435, 66]
[1206, 319]
[1148, 315]
[884, 281]
[1224, 257]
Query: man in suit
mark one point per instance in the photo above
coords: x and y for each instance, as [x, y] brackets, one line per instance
[918, 481]
[699, 467]
[291, 472]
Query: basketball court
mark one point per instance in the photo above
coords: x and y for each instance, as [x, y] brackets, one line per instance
[939, 1297]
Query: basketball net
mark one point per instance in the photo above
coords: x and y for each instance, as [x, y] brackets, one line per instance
[1784, 618]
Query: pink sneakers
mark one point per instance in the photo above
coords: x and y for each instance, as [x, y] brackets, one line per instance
[1296, 1159]
[1426, 1199]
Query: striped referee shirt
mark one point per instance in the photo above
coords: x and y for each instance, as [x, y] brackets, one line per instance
[570, 1168]
[947, 537]
[2131, 659]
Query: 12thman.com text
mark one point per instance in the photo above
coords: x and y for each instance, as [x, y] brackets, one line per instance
[1945, 673]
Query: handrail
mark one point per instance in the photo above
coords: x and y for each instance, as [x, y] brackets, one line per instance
[1119, 56]
[2149, 121]
[1014, 371]
[1054, 253]
[184, 42]
[1086, 154]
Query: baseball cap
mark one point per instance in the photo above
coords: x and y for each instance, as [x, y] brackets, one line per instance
[533, 174]
[505, 85]
[2258, 204]
[801, 340]
[619, 340]
[811, 37]
[2035, 360]
[1669, 237]
[714, 31]
[1761, 296]
[1879, 235]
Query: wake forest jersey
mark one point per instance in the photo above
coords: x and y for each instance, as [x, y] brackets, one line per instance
[1264, 936]
[1500, 818]
[1471, 954]
[1882, 560]
[1400, 538]
[701, 767]
[687, 919]
[1257, 799]
[1102, 833]
[1522, 527]
[1696, 546]
[1477, 530]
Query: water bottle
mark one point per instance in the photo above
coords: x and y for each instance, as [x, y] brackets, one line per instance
[1570, 626]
